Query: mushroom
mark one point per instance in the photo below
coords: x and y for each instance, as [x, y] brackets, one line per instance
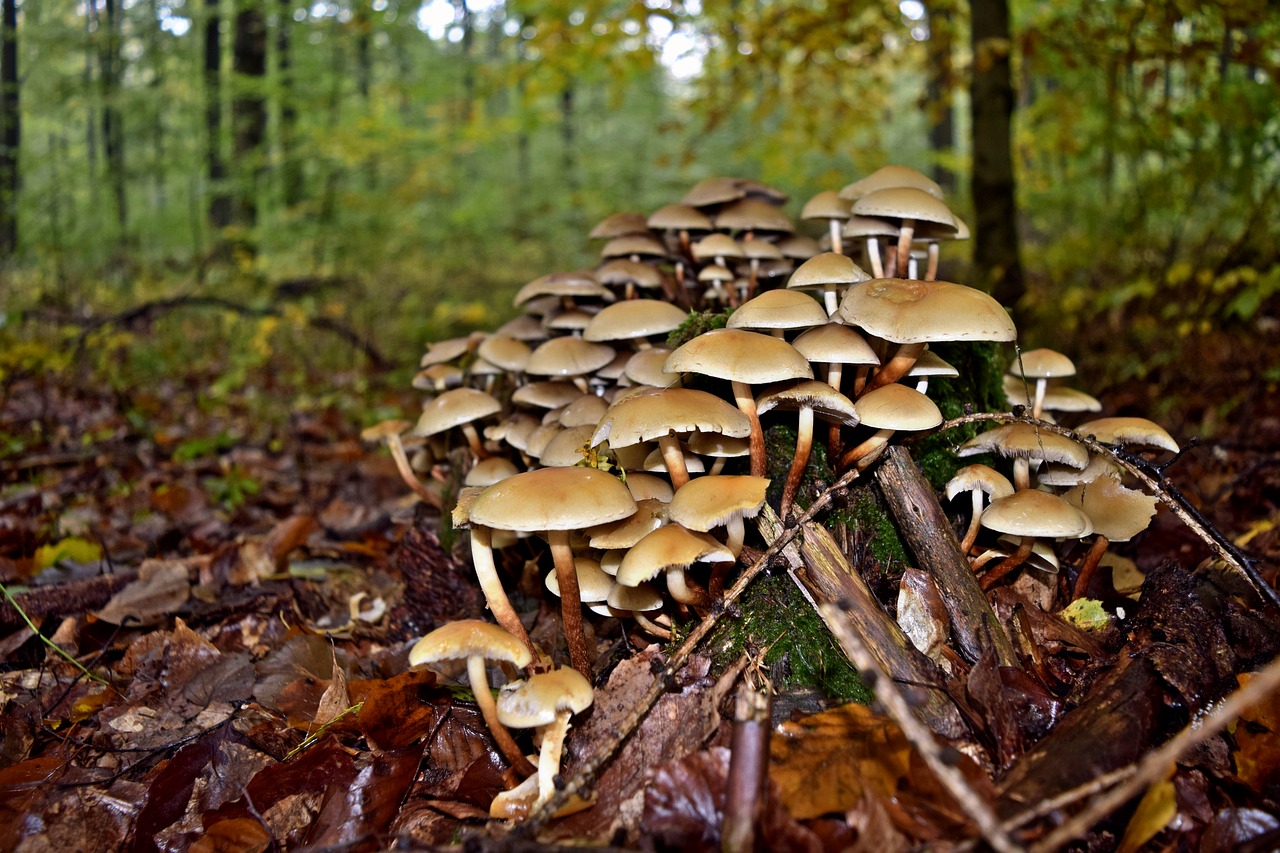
[776, 311]
[888, 410]
[554, 502]
[546, 701]
[461, 408]
[1030, 513]
[977, 480]
[672, 548]
[829, 207]
[389, 432]
[475, 642]
[1041, 365]
[1024, 442]
[1118, 514]
[830, 273]
[745, 359]
[719, 499]
[907, 205]
[810, 397]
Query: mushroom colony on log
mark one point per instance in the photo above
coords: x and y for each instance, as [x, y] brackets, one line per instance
[618, 418]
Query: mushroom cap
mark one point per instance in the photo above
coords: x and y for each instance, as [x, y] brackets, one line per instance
[538, 700]
[656, 463]
[1042, 363]
[835, 343]
[1027, 442]
[670, 546]
[715, 273]
[826, 402]
[619, 225]
[626, 271]
[904, 203]
[553, 499]
[798, 247]
[511, 354]
[907, 311]
[454, 408]
[437, 377]
[761, 250]
[752, 214]
[565, 447]
[778, 309]
[897, 407]
[1139, 431]
[1030, 512]
[716, 445]
[716, 246]
[663, 411]
[827, 269]
[1058, 474]
[645, 368]
[645, 486]
[448, 349]
[981, 477]
[567, 320]
[546, 394]
[713, 500]
[679, 217]
[584, 411]
[1117, 512]
[384, 429]
[825, 205]
[593, 583]
[739, 356]
[486, 472]
[467, 638]
[579, 284]
[634, 244]
[523, 328]
[650, 514]
[1057, 398]
[858, 227]
[637, 599]
[712, 191]
[634, 318]
[891, 175]
[568, 356]
[929, 363]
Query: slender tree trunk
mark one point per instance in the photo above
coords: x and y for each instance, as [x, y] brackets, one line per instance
[10, 129]
[91, 100]
[291, 168]
[112, 120]
[219, 200]
[156, 57]
[249, 106]
[942, 129]
[996, 252]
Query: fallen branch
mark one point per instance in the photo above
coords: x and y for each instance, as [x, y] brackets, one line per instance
[1153, 479]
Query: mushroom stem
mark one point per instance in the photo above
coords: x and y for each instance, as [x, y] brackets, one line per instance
[837, 245]
[489, 710]
[895, 368]
[1008, 564]
[553, 735]
[931, 272]
[684, 590]
[473, 440]
[905, 233]
[873, 255]
[491, 586]
[1090, 564]
[971, 535]
[804, 444]
[1037, 405]
[396, 446]
[1021, 473]
[867, 452]
[747, 405]
[673, 457]
[650, 627]
[570, 602]
[830, 300]
[737, 530]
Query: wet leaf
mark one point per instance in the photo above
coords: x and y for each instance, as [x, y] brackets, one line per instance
[1156, 809]
[161, 588]
[400, 710]
[1257, 737]
[238, 835]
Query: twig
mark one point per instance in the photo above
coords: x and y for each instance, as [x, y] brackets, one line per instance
[1158, 485]
[1156, 764]
[674, 664]
[888, 694]
[50, 643]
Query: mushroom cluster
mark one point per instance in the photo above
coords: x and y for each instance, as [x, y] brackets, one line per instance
[637, 461]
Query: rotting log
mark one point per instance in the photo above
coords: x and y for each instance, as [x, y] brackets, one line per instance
[924, 526]
[820, 569]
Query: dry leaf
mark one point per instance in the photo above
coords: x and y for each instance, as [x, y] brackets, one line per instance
[1157, 808]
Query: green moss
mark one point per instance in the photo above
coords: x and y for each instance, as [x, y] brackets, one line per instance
[698, 322]
[872, 520]
[798, 649]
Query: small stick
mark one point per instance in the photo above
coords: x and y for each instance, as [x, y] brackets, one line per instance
[748, 770]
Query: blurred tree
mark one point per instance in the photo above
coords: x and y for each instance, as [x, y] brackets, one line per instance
[10, 129]
[248, 107]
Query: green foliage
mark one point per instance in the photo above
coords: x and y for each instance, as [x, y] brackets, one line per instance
[232, 489]
[698, 323]
[198, 448]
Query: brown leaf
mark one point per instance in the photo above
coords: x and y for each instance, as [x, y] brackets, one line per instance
[335, 701]
[1017, 710]
[161, 588]
[1232, 828]
[287, 536]
[366, 807]
[400, 710]
[238, 835]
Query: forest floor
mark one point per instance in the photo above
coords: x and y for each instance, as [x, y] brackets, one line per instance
[242, 610]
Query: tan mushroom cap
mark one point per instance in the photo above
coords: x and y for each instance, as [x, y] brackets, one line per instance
[826, 402]
[663, 411]
[636, 599]
[1117, 512]
[858, 227]
[565, 448]
[835, 343]
[486, 472]
[714, 445]
[468, 638]
[454, 408]
[546, 394]
[752, 214]
[930, 363]
[1057, 474]
[650, 514]
[449, 349]
[645, 486]
[935, 232]
[506, 352]
[593, 583]
[568, 356]
[1129, 431]
[384, 429]
[778, 309]
[1042, 363]
[634, 318]
[619, 225]
[641, 245]
[679, 217]
[907, 311]
[571, 320]
[761, 250]
[825, 205]
[620, 271]
[1027, 442]
[553, 499]
[897, 407]
[655, 462]
[717, 246]
[579, 284]
[740, 356]
[982, 477]
[827, 269]
[645, 368]
[523, 328]
[437, 377]
[798, 247]
[539, 699]
[584, 411]
[1030, 512]
[1057, 398]
[670, 546]
[712, 191]
[715, 273]
[713, 500]
[891, 175]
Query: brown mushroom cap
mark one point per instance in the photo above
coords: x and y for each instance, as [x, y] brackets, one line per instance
[645, 368]
[981, 477]
[1029, 512]
[553, 499]
[454, 408]
[506, 352]
[907, 311]
[897, 407]
[568, 356]
[662, 411]
[1042, 363]
[639, 245]
[448, 350]
[752, 214]
[778, 309]
[650, 514]
[634, 318]
[798, 247]
[904, 203]
[1026, 442]
[468, 638]
[1117, 512]
[619, 225]
[622, 271]
[826, 402]
[579, 284]
[1129, 431]
[565, 447]
[679, 217]
[593, 583]
[931, 364]
[486, 472]
[827, 269]
[670, 546]
[741, 356]
[825, 205]
[713, 191]
[713, 500]
[539, 699]
[891, 175]
[835, 343]
[546, 394]
[1057, 398]
[717, 246]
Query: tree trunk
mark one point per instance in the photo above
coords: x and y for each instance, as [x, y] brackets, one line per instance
[219, 200]
[942, 130]
[996, 256]
[155, 55]
[112, 121]
[10, 129]
[291, 168]
[249, 106]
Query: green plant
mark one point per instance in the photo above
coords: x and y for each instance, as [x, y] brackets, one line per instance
[233, 489]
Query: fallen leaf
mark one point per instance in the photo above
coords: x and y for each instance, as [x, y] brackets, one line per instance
[161, 588]
[238, 835]
[1157, 807]
[335, 701]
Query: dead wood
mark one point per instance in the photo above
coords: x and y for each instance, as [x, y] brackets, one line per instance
[64, 599]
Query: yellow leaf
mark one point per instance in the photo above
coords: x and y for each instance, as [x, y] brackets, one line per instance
[73, 548]
[1159, 806]
[1086, 614]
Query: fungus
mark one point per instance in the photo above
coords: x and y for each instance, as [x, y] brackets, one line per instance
[546, 701]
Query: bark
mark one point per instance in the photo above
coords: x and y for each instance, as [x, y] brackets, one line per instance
[997, 264]
[155, 55]
[219, 201]
[942, 131]
[10, 129]
[112, 121]
[291, 169]
[249, 106]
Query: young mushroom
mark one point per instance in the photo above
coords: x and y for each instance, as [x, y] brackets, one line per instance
[977, 480]
[546, 701]
[809, 397]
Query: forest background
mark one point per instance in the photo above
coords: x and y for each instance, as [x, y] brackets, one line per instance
[263, 199]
